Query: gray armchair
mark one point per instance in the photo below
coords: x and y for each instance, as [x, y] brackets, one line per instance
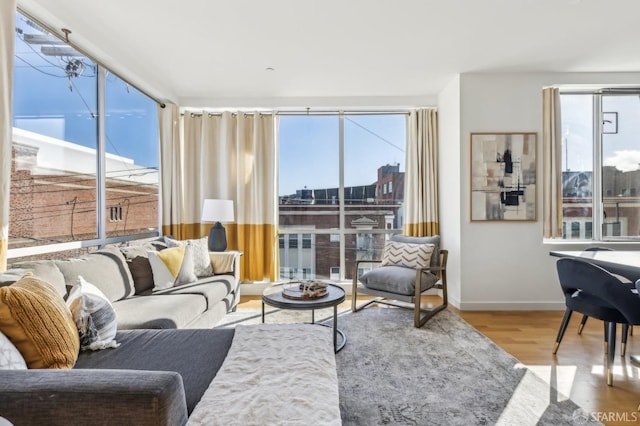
[391, 283]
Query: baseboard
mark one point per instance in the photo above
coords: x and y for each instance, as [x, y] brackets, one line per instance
[512, 306]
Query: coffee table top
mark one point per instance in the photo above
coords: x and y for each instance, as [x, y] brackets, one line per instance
[272, 296]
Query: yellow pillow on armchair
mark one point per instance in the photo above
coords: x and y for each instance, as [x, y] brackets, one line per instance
[37, 321]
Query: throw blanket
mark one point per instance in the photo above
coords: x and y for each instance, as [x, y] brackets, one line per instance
[274, 374]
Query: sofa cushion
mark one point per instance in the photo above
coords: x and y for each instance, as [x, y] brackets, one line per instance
[46, 270]
[397, 280]
[159, 311]
[214, 288]
[137, 258]
[196, 354]
[94, 316]
[37, 321]
[106, 269]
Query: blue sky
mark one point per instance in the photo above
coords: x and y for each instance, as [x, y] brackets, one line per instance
[621, 149]
[309, 149]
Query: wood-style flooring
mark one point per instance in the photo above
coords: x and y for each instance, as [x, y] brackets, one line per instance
[577, 369]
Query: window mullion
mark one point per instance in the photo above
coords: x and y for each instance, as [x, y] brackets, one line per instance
[101, 166]
[597, 206]
[341, 205]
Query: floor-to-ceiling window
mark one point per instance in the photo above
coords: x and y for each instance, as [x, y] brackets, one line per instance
[85, 149]
[341, 189]
[601, 165]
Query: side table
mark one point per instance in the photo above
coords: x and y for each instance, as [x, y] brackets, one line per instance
[272, 296]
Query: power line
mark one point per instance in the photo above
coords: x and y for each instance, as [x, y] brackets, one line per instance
[388, 142]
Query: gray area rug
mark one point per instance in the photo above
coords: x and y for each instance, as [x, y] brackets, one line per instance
[445, 373]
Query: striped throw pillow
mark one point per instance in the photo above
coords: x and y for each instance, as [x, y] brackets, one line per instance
[408, 255]
[94, 316]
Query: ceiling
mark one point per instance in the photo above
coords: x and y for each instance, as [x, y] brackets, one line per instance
[211, 51]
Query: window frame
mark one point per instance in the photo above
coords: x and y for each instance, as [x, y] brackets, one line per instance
[597, 197]
[102, 214]
[340, 234]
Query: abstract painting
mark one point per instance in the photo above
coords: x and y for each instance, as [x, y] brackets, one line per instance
[503, 176]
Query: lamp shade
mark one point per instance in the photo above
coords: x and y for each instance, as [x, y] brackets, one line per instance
[217, 211]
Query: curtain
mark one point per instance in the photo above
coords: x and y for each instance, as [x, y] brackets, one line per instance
[170, 169]
[7, 34]
[421, 177]
[233, 157]
[551, 163]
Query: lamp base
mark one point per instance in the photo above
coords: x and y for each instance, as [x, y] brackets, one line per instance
[217, 238]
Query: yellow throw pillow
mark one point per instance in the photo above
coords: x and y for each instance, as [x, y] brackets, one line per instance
[37, 321]
[173, 258]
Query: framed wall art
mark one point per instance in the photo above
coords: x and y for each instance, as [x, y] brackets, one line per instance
[503, 176]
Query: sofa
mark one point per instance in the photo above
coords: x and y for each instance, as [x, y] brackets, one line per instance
[125, 276]
[181, 372]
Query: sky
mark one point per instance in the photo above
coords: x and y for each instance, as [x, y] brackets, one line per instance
[48, 101]
[309, 149]
[621, 149]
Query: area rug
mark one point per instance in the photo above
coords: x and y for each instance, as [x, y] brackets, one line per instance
[445, 373]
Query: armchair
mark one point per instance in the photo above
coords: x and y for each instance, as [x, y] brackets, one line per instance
[402, 281]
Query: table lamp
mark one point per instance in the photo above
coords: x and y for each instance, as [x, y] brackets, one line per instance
[217, 211]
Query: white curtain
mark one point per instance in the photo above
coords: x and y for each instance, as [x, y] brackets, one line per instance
[552, 163]
[227, 156]
[421, 177]
[7, 34]
[170, 169]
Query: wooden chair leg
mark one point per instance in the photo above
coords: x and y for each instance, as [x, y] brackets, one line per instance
[582, 323]
[563, 328]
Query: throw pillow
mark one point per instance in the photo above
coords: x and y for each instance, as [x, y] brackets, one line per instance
[94, 316]
[37, 321]
[10, 358]
[172, 267]
[407, 254]
[137, 258]
[201, 262]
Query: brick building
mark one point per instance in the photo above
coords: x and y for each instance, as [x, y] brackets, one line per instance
[369, 211]
[53, 193]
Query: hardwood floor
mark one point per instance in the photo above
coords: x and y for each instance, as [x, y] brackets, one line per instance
[577, 369]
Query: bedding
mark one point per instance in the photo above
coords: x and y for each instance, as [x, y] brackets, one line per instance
[274, 374]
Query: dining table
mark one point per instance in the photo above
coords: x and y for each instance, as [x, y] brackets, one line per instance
[619, 262]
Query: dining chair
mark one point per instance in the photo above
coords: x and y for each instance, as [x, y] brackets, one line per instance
[593, 291]
[626, 329]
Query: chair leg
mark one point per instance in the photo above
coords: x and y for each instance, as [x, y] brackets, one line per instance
[611, 338]
[563, 328]
[625, 333]
[582, 323]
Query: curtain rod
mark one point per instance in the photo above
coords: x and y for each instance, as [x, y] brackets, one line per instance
[300, 112]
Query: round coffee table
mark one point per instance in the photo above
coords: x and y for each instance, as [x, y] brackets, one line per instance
[272, 296]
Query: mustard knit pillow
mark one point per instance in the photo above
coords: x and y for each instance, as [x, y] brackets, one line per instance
[38, 322]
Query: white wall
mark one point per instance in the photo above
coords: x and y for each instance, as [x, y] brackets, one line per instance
[505, 265]
[449, 183]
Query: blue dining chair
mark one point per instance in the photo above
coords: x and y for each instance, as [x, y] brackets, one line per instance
[626, 329]
[593, 291]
